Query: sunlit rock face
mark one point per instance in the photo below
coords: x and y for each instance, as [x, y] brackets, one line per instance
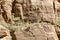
[41, 31]
[4, 33]
[44, 12]
[41, 10]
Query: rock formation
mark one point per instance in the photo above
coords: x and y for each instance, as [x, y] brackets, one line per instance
[30, 19]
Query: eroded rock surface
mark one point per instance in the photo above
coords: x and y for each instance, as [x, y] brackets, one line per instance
[4, 33]
[41, 31]
[44, 12]
[40, 11]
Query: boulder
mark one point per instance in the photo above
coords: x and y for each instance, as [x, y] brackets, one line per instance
[41, 10]
[41, 31]
[4, 33]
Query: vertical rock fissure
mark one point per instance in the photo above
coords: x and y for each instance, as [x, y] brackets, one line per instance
[13, 35]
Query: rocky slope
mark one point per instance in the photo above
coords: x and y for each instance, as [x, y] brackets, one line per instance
[41, 21]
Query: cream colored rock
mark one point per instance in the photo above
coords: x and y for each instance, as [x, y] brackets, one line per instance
[41, 10]
[4, 33]
[41, 31]
[7, 8]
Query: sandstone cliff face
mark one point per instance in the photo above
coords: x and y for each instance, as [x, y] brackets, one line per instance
[41, 31]
[38, 20]
[4, 33]
[41, 11]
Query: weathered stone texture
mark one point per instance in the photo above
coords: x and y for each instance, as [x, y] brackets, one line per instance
[41, 11]
[57, 6]
[41, 31]
[33, 11]
[4, 33]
